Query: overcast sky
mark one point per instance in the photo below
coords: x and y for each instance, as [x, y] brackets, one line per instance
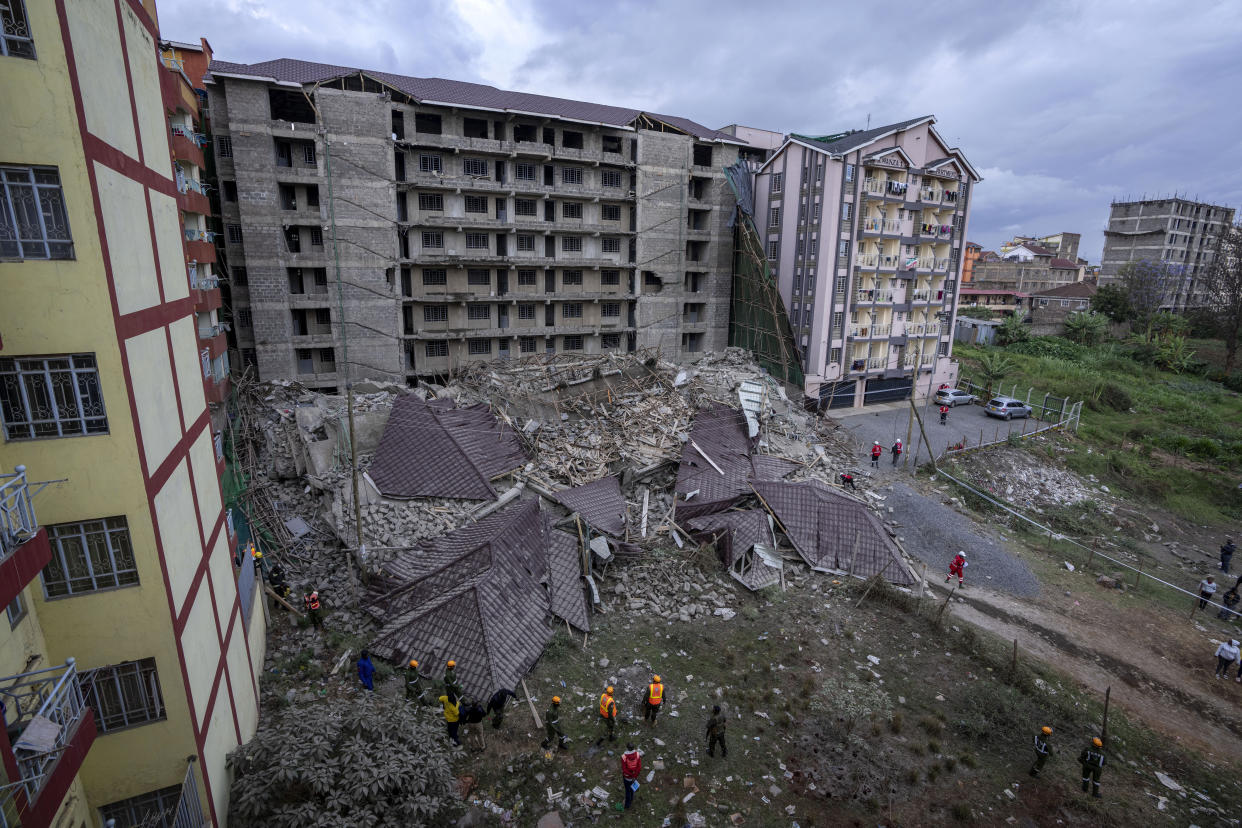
[1062, 106]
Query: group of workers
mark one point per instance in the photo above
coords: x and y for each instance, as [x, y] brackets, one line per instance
[1091, 760]
[877, 451]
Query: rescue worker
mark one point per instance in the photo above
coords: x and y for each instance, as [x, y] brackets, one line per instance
[414, 683]
[256, 555]
[944, 414]
[631, 767]
[366, 670]
[847, 481]
[957, 567]
[311, 601]
[876, 453]
[608, 716]
[496, 706]
[1092, 761]
[1043, 749]
[552, 726]
[451, 685]
[1226, 555]
[896, 451]
[716, 732]
[452, 714]
[653, 700]
[276, 580]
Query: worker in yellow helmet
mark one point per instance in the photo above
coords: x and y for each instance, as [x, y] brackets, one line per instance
[452, 686]
[1092, 761]
[607, 716]
[552, 726]
[653, 700]
[1043, 749]
[414, 690]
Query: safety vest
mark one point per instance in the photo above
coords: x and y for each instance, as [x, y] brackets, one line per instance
[605, 706]
[655, 693]
[312, 602]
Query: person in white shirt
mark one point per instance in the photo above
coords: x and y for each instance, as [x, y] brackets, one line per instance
[1207, 588]
[1226, 655]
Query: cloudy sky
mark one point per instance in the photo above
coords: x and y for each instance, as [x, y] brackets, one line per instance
[1062, 106]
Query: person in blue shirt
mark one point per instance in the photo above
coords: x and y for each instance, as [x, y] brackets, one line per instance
[366, 671]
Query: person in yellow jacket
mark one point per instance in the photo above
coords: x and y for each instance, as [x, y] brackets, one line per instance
[607, 716]
[653, 700]
[452, 715]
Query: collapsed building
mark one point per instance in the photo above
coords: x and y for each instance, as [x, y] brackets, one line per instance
[495, 507]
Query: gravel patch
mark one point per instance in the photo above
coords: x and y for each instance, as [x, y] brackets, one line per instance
[934, 533]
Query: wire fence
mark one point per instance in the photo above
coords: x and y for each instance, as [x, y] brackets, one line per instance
[1068, 420]
[1046, 409]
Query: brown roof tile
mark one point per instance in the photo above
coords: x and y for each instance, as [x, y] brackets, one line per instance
[567, 594]
[599, 502]
[720, 431]
[733, 532]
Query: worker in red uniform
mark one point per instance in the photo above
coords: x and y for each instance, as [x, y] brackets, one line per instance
[896, 451]
[877, 451]
[944, 414]
[957, 567]
[631, 767]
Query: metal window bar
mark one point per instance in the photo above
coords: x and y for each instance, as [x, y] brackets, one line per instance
[15, 39]
[33, 221]
[124, 695]
[51, 397]
[154, 809]
[89, 556]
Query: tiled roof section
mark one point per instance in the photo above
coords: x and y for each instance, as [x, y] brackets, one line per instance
[599, 502]
[720, 431]
[443, 90]
[1038, 250]
[567, 595]
[1064, 263]
[853, 140]
[435, 450]
[1076, 290]
[734, 532]
[825, 526]
[771, 467]
[475, 595]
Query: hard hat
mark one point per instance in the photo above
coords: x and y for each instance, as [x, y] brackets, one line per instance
[1096, 741]
[556, 699]
[1047, 730]
[452, 663]
[413, 662]
[609, 690]
[258, 553]
[877, 442]
[962, 552]
[655, 679]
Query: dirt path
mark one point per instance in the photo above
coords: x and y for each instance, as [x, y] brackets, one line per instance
[1165, 694]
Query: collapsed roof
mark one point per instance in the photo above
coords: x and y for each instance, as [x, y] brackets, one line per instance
[434, 449]
[600, 503]
[737, 535]
[477, 595]
[833, 532]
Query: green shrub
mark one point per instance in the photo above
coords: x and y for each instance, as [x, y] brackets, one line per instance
[1052, 347]
[1115, 397]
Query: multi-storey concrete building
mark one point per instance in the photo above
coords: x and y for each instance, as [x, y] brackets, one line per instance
[467, 223]
[1062, 245]
[1024, 268]
[865, 230]
[1176, 231]
[119, 574]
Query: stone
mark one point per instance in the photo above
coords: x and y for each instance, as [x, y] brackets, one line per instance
[725, 613]
[552, 819]
[1168, 781]
[1069, 566]
[603, 662]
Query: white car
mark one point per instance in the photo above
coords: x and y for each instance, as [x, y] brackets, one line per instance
[953, 397]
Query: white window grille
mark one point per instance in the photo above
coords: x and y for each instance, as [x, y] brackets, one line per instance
[124, 695]
[473, 166]
[429, 163]
[89, 556]
[33, 221]
[56, 396]
[573, 175]
[15, 39]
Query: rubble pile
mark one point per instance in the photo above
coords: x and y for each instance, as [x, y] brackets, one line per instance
[1017, 477]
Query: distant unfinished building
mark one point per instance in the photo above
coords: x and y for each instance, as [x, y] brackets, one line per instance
[470, 223]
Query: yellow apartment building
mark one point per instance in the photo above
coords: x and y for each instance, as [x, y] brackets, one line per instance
[129, 667]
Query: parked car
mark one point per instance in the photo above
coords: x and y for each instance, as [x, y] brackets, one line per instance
[1006, 408]
[953, 397]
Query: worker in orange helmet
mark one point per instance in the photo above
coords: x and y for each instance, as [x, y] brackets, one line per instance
[653, 700]
[607, 716]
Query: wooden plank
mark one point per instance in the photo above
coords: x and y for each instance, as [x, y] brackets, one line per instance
[699, 449]
[646, 499]
[287, 605]
[533, 713]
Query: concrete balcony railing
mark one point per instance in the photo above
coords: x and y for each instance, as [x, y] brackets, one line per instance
[869, 296]
[867, 260]
[873, 186]
[930, 194]
[877, 362]
[925, 263]
[869, 331]
[940, 264]
[875, 225]
[48, 730]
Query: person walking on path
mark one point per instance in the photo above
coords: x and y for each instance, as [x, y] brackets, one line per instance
[496, 706]
[1226, 655]
[716, 726]
[944, 414]
[896, 452]
[876, 453]
[1043, 749]
[552, 726]
[1226, 555]
[451, 685]
[1228, 601]
[310, 600]
[452, 714]
[607, 716]
[653, 700]
[1207, 588]
[1092, 761]
[957, 567]
[631, 767]
[366, 670]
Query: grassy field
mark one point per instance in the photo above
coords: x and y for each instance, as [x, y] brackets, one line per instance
[1170, 439]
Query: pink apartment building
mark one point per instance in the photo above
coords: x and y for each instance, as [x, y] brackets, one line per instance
[866, 231]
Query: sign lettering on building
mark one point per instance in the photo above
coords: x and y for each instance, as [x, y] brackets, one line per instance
[944, 173]
[893, 160]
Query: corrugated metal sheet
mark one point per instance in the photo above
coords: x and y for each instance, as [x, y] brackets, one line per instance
[435, 450]
[832, 532]
[599, 502]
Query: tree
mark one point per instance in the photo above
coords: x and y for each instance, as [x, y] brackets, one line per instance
[1086, 328]
[1012, 331]
[373, 761]
[1223, 285]
[1113, 302]
[993, 367]
[1148, 285]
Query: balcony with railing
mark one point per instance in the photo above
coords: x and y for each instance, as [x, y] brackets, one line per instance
[191, 194]
[869, 331]
[187, 145]
[866, 296]
[881, 225]
[874, 186]
[930, 195]
[24, 548]
[867, 260]
[48, 730]
[940, 265]
[199, 247]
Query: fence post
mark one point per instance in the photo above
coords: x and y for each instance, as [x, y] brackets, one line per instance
[1043, 409]
[1028, 395]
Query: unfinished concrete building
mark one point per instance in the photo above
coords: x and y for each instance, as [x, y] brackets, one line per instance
[470, 223]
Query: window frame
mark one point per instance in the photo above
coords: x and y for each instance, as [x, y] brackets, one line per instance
[571, 244]
[430, 162]
[88, 422]
[46, 203]
[147, 682]
[6, 49]
[438, 346]
[435, 313]
[114, 533]
[224, 146]
[610, 178]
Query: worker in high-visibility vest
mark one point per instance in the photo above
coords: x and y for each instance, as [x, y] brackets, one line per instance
[653, 700]
[607, 716]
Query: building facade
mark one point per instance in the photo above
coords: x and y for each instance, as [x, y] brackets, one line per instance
[1062, 245]
[866, 230]
[1175, 231]
[971, 255]
[104, 393]
[1024, 268]
[410, 226]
